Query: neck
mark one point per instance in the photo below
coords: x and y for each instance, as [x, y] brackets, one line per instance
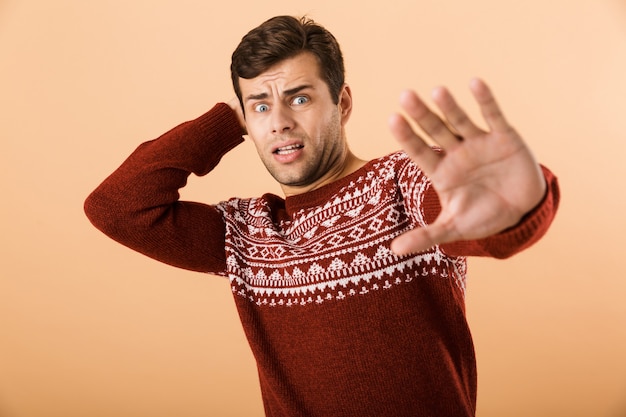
[351, 163]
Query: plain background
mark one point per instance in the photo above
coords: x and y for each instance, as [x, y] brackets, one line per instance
[90, 328]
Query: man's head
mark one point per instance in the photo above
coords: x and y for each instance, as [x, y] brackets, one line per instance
[284, 37]
[289, 77]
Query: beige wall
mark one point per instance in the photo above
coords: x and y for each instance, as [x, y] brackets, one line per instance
[89, 328]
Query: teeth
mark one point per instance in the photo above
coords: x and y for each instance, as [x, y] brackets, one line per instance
[288, 149]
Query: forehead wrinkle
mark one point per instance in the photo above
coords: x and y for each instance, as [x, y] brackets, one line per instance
[285, 74]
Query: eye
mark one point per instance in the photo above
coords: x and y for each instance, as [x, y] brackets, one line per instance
[261, 108]
[299, 100]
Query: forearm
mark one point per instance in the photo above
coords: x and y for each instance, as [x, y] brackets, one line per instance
[138, 204]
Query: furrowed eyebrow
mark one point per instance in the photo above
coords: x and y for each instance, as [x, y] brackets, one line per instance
[290, 92]
[261, 96]
[296, 90]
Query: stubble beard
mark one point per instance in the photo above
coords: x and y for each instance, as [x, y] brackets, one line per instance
[317, 164]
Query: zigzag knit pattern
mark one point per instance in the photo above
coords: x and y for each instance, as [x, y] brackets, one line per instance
[336, 250]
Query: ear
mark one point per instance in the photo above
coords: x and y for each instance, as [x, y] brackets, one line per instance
[345, 104]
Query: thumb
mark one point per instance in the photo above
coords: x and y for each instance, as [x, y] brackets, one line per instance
[418, 240]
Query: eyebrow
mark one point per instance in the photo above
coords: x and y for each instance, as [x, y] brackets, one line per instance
[290, 92]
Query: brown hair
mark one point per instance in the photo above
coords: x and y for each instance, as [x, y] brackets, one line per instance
[284, 37]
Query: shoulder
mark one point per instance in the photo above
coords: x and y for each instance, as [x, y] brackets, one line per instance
[251, 210]
[397, 165]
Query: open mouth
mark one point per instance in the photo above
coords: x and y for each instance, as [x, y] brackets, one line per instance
[286, 150]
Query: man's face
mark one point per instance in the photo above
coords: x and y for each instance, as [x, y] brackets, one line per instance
[296, 127]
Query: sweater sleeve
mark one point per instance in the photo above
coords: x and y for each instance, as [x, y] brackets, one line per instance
[138, 204]
[512, 240]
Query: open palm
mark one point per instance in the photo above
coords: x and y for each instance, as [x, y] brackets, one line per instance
[486, 180]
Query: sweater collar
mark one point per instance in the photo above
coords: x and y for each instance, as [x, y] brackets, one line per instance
[321, 195]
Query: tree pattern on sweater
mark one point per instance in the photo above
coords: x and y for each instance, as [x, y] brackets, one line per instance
[338, 249]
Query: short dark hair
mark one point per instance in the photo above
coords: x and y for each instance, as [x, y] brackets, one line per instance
[284, 37]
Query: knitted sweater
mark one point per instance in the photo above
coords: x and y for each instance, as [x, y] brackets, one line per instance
[338, 324]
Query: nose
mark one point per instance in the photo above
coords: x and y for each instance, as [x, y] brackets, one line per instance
[282, 120]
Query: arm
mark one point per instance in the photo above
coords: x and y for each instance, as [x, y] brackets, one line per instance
[138, 205]
[494, 198]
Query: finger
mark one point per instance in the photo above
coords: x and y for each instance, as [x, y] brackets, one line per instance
[489, 106]
[454, 114]
[428, 120]
[415, 147]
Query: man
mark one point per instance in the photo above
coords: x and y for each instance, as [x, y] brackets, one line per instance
[351, 288]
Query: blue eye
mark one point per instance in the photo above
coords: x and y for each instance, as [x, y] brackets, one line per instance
[260, 108]
[300, 100]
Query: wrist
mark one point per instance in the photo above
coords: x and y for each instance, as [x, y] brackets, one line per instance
[235, 105]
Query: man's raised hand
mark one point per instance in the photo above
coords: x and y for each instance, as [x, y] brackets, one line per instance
[486, 180]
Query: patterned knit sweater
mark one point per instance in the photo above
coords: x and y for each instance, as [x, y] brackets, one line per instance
[338, 324]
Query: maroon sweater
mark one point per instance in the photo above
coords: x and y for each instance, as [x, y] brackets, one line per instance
[338, 324]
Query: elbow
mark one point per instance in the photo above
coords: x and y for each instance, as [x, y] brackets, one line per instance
[103, 214]
[91, 209]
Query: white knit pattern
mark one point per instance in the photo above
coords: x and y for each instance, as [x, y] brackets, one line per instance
[337, 250]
